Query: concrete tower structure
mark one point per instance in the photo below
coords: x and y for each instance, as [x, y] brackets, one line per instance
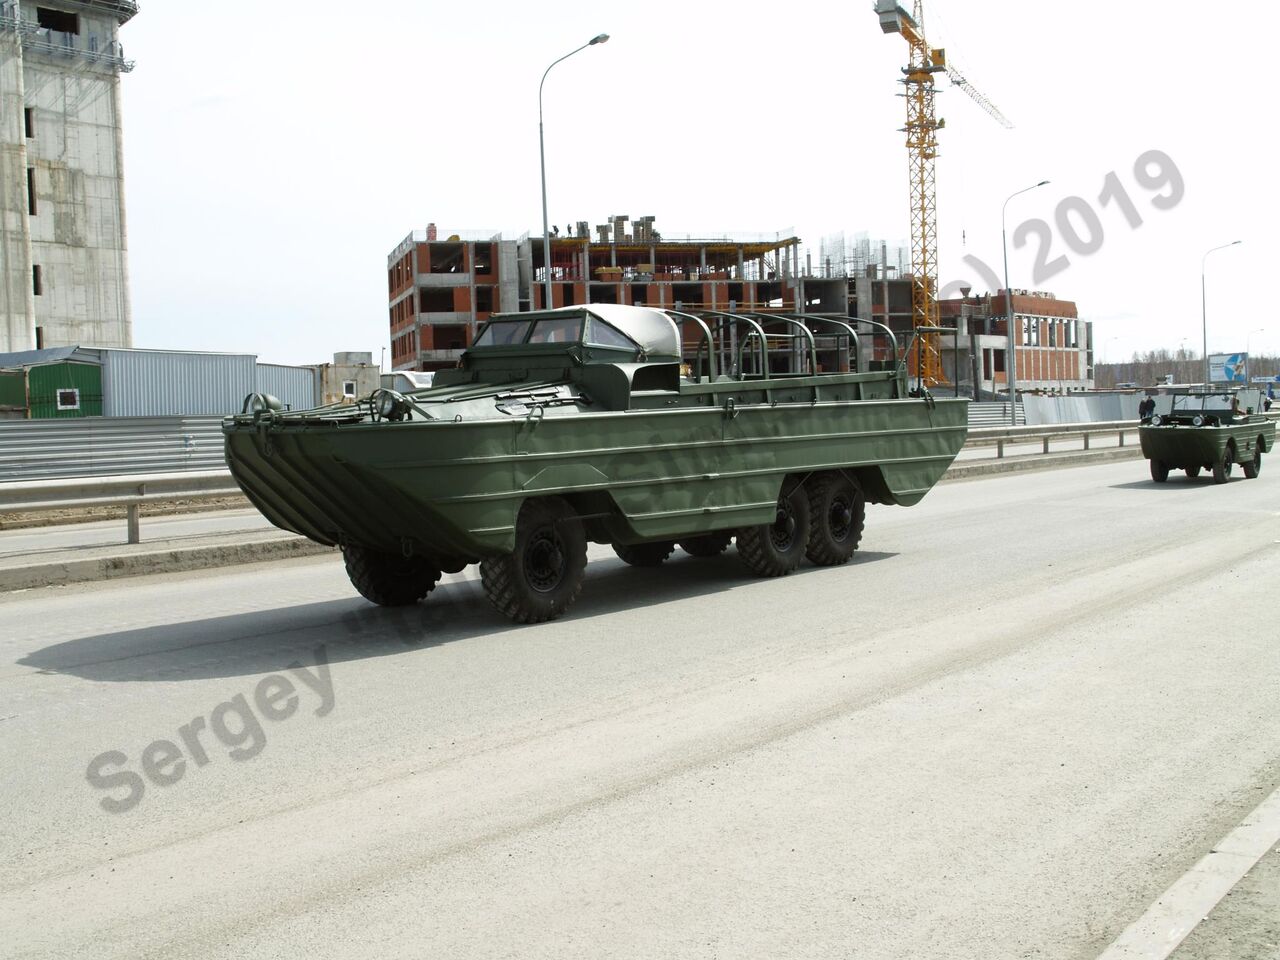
[63, 273]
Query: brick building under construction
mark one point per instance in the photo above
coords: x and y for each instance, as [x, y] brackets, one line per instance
[442, 287]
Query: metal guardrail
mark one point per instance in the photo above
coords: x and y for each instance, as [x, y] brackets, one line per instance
[983, 436]
[130, 492]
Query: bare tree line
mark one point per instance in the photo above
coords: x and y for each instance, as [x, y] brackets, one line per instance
[1152, 366]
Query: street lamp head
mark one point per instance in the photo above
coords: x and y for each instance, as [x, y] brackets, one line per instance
[599, 38]
[1234, 242]
[1042, 183]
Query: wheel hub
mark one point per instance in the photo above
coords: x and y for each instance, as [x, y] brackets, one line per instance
[840, 519]
[544, 561]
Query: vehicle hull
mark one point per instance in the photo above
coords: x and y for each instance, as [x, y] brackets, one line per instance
[454, 489]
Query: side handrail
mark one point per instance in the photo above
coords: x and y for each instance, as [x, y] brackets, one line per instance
[764, 359]
[893, 337]
[853, 334]
[707, 339]
[813, 345]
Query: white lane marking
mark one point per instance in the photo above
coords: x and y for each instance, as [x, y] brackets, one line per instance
[1158, 932]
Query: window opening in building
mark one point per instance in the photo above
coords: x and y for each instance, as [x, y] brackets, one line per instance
[445, 257]
[37, 280]
[31, 191]
[484, 299]
[639, 294]
[58, 20]
[688, 294]
[482, 260]
[29, 122]
[435, 299]
[602, 293]
[569, 299]
[348, 388]
[39, 338]
[68, 398]
[449, 336]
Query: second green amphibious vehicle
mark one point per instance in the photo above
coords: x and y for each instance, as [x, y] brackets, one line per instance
[1191, 430]
[631, 426]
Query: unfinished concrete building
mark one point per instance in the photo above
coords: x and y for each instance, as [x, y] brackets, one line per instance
[63, 270]
[441, 289]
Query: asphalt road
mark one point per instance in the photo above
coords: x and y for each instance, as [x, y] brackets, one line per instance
[1027, 709]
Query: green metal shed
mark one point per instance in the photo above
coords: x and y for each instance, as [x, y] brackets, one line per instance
[66, 389]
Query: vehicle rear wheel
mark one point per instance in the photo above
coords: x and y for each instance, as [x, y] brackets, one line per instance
[837, 514]
[389, 579]
[1222, 467]
[1254, 466]
[775, 549]
[1159, 471]
[644, 554]
[1192, 472]
[542, 577]
[707, 545]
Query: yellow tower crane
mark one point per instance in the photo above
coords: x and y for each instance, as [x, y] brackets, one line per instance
[922, 146]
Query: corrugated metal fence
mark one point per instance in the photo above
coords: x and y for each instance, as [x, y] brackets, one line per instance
[101, 446]
[993, 415]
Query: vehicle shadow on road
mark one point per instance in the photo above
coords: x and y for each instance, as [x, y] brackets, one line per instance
[1172, 485]
[268, 641]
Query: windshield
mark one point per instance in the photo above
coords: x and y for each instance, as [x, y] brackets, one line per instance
[502, 332]
[557, 330]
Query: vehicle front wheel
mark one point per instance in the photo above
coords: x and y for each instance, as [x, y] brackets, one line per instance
[837, 514]
[542, 577]
[1222, 467]
[707, 545]
[389, 579]
[644, 554]
[1159, 471]
[1192, 472]
[1254, 466]
[775, 549]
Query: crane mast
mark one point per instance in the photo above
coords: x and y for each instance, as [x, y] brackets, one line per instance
[922, 148]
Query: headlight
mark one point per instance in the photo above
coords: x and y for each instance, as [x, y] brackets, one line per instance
[389, 405]
[1197, 421]
[1155, 420]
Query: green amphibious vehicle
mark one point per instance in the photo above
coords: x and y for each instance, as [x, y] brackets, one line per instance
[587, 424]
[1195, 430]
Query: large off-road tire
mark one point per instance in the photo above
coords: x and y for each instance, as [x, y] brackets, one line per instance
[1254, 466]
[388, 579]
[837, 515]
[1192, 472]
[1159, 471]
[542, 577]
[707, 545]
[775, 549]
[1222, 467]
[644, 554]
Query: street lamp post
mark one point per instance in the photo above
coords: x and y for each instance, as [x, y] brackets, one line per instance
[1011, 360]
[542, 159]
[1204, 321]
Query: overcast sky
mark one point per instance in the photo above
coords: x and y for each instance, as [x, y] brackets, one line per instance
[276, 151]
